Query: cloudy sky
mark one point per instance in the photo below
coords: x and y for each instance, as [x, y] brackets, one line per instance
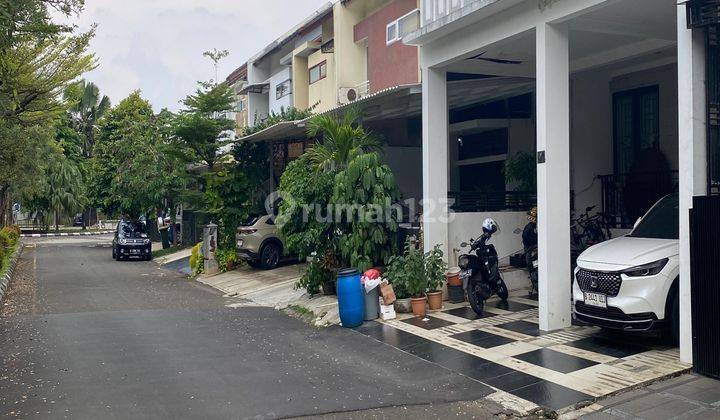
[157, 45]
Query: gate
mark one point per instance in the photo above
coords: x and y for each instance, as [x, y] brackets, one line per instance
[705, 284]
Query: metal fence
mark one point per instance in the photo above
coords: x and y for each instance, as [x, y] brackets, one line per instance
[472, 201]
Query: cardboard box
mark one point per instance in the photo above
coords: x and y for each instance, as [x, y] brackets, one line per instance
[387, 312]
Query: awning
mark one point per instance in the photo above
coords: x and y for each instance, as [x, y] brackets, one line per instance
[388, 103]
[255, 88]
[406, 101]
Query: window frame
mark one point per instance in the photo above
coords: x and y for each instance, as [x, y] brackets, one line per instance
[287, 92]
[396, 24]
[321, 75]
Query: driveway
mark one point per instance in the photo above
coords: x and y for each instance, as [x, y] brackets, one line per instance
[95, 338]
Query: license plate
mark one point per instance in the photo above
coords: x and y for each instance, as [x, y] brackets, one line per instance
[134, 251]
[596, 299]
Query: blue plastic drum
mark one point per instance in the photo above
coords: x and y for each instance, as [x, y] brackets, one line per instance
[351, 299]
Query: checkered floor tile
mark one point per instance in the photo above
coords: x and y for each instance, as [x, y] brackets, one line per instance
[504, 348]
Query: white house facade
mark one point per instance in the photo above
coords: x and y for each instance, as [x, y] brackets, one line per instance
[610, 82]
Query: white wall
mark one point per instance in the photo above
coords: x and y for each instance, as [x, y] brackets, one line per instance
[286, 102]
[463, 226]
[257, 107]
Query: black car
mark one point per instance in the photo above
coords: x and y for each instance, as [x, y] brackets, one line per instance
[131, 240]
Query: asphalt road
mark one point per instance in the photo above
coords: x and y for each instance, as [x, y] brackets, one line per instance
[106, 339]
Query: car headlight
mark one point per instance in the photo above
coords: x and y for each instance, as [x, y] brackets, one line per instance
[240, 243]
[146, 241]
[464, 262]
[123, 241]
[647, 269]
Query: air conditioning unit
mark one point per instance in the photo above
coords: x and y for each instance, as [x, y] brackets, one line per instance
[347, 95]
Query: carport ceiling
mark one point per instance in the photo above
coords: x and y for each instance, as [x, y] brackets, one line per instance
[621, 31]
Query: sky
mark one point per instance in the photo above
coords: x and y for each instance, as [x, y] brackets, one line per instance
[157, 45]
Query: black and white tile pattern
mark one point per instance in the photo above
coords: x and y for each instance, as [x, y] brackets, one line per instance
[504, 348]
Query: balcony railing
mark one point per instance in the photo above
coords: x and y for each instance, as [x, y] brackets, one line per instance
[473, 201]
[625, 197]
[433, 10]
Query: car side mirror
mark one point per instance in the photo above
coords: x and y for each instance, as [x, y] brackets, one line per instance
[637, 222]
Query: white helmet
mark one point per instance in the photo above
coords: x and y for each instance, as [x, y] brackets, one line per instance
[490, 226]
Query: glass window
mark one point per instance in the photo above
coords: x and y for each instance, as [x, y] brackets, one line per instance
[662, 221]
[318, 72]
[392, 32]
[283, 89]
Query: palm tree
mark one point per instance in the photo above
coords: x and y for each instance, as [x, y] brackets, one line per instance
[86, 110]
[343, 139]
[64, 188]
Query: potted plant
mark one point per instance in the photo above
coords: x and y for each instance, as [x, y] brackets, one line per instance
[435, 268]
[396, 276]
[417, 282]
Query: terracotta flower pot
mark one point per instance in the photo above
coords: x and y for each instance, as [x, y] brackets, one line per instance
[418, 306]
[435, 300]
[453, 277]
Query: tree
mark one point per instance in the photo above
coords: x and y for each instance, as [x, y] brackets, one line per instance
[215, 56]
[86, 110]
[64, 189]
[130, 168]
[38, 59]
[203, 125]
[342, 140]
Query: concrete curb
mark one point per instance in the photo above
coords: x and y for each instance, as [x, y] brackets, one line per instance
[7, 276]
[68, 234]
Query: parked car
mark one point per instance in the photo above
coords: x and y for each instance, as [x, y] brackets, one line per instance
[631, 283]
[259, 243]
[131, 240]
[78, 220]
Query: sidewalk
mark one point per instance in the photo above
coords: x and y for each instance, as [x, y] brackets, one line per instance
[685, 397]
[63, 234]
[275, 289]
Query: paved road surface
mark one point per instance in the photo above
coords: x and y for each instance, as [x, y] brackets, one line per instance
[106, 339]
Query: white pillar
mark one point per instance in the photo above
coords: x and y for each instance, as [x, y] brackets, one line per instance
[692, 153]
[435, 158]
[553, 140]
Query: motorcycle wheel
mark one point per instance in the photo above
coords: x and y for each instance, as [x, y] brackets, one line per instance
[477, 303]
[502, 290]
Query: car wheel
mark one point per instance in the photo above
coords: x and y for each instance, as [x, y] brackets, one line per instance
[270, 256]
[254, 263]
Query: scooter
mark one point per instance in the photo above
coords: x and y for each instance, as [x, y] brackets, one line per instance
[480, 272]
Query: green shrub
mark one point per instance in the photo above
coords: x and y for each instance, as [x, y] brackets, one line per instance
[435, 269]
[314, 277]
[227, 259]
[197, 261]
[13, 232]
[6, 240]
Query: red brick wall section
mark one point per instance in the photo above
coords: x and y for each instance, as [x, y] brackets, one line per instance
[388, 65]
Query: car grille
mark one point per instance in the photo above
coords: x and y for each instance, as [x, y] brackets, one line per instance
[599, 282]
[614, 314]
[134, 241]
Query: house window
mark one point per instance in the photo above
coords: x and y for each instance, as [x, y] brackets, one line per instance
[241, 105]
[283, 89]
[636, 121]
[318, 72]
[402, 26]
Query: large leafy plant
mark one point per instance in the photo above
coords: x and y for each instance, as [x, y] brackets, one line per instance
[365, 190]
[435, 269]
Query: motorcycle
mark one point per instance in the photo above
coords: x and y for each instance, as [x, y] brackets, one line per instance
[531, 256]
[480, 272]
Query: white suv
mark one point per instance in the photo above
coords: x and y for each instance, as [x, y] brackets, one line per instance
[631, 283]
